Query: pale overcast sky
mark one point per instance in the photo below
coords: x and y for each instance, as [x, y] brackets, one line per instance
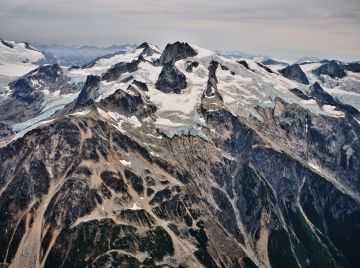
[282, 28]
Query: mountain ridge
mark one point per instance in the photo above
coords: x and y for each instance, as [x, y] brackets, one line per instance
[240, 166]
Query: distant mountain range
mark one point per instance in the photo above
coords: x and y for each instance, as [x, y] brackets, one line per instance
[81, 55]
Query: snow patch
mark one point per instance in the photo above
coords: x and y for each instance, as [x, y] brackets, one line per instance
[125, 163]
[135, 207]
[167, 123]
[81, 113]
[331, 110]
[119, 119]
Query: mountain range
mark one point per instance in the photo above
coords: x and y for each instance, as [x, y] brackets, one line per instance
[178, 157]
[68, 55]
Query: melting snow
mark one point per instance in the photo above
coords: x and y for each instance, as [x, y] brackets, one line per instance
[135, 207]
[125, 163]
[167, 122]
[331, 110]
[119, 119]
[81, 113]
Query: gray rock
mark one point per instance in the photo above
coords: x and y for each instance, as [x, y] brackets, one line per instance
[120, 68]
[265, 68]
[191, 65]
[273, 62]
[332, 68]
[7, 44]
[176, 51]
[141, 85]
[171, 80]
[147, 50]
[211, 87]
[90, 90]
[317, 92]
[127, 104]
[352, 67]
[295, 73]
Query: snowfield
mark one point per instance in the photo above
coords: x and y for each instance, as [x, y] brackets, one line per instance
[243, 90]
[16, 61]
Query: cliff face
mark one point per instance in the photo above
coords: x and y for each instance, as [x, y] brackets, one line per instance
[108, 186]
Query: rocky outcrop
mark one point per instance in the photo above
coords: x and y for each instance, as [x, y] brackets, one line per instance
[127, 104]
[5, 130]
[28, 88]
[265, 68]
[23, 90]
[300, 94]
[245, 64]
[142, 86]
[27, 92]
[47, 73]
[176, 51]
[170, 80]
[211, 87]
[90, 90]
[333, 69]
[316, 92]
[352, 67]
[191, 65]
[147, 49]
[120, 68]
[273, 62]
[7, 44]
[295, 73]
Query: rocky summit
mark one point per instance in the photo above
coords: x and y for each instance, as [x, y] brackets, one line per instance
[180, 158]
[295, 73]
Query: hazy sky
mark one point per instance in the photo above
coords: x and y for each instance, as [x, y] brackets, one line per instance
[282, 28]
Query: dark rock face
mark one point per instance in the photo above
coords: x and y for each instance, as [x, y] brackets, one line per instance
[300, 94]
[260, 198]
[48, 73]
[284, 191]
[333, 69]
[24, 90]
[211, 86]
[273, 62]
[90, 90]
[7, 44]
[176, 51]
[191, 66]
[321, 95]
[352, 67]
[5, 130]
[27, 94]
[147, 49]
[135, 181]
[171, 80]
[294, 72]
[265, 68]
[127, 104]
[141, 85]
[27, 46]
[120, 68]
[245, 64]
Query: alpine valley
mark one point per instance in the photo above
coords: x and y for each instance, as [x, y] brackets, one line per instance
[180, 157]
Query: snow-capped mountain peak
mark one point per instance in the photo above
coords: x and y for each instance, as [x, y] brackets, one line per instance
[180, 157]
